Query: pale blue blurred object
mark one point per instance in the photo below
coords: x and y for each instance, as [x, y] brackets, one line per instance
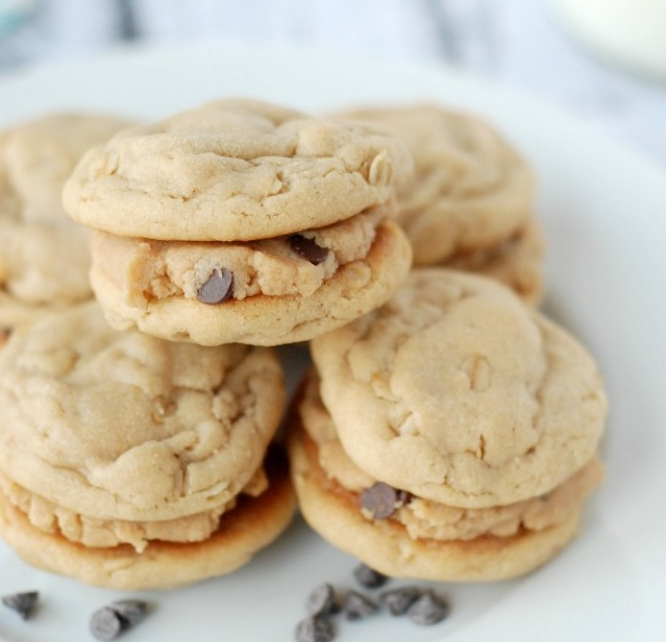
[13, 13]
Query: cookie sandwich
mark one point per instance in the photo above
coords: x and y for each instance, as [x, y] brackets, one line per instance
[469, 203]
[44, 256]
[131, 462]
[242, 221]
[450, 435]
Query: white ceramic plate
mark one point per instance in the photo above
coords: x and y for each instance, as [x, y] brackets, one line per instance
[604, 211]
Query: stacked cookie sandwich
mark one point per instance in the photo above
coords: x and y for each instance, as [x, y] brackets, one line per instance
[451, 434]
[469, 203]
[132, 462]
[140, 456]
[242, 221]
[447, 431]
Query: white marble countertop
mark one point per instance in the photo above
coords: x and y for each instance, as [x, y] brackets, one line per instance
[519, 43]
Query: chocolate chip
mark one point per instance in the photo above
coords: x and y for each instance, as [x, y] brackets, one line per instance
[428, 609]
[131, 612]
[218, 288]
[357, 606]
[400, 599]
[368, 577]
[308, 249]
[403, 497]
[315, 629]
[106, 624]
[381, 500]
[322, 601]
[22, 603]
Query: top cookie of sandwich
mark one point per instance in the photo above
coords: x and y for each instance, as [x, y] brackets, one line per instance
[470, 190]
[457, 392]
[121, 425]
[233, 170]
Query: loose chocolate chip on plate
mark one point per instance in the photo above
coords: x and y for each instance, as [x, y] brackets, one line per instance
[428, 609]
[218, 288]
[368, 577]
[322, 601]
[106, 624]
[23, 603]
[381, 500]
[315, 629]
[398, 600]
[308, 249]
[357, 606]
[131, 612]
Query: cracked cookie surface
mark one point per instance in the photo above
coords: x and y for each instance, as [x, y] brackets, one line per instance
[457, 392]
[233, 170]
[122, 426]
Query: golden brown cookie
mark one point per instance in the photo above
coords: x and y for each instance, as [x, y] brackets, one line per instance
[452, 434]
[252, 525]
[517, 263]
[233, 170]
[44, 257]
[118, 441]
[456, 391]
[469, 202]
[242, 221]
[419, 538]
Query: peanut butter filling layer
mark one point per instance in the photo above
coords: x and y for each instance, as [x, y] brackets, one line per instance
[427, 519]
[298, 264]
[104, 533]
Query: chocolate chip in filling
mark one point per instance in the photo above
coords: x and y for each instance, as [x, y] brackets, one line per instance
[308, 249]
[218, 288]
[382, 500]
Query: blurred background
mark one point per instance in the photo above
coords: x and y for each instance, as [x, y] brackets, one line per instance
[604, 60]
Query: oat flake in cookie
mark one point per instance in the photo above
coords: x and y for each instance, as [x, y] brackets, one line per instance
[485, 413]
[131, 462]
[242, 221]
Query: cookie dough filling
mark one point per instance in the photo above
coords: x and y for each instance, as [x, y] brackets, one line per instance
[423, 518]
[102, 533]
[214, 272]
